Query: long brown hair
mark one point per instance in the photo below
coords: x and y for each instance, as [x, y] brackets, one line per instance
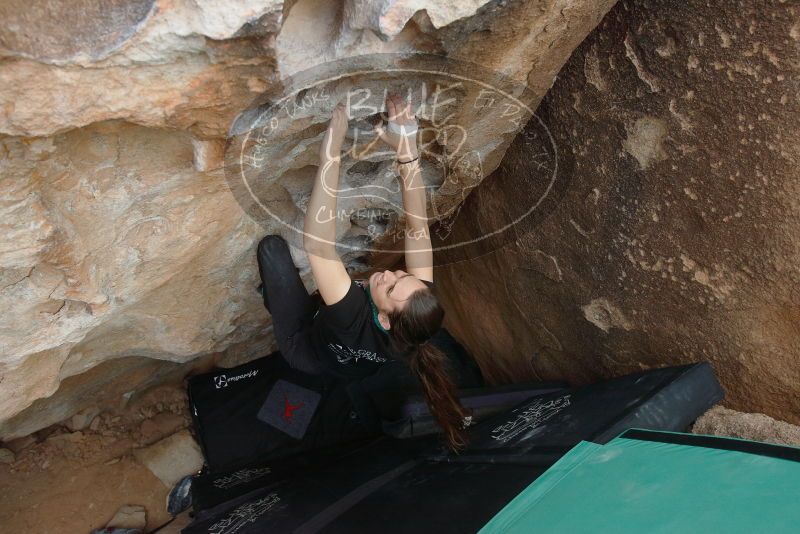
[411, 330]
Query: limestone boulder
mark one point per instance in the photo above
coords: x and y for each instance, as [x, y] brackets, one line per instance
[7, 456]
[172, 458]
[122, 237]
[720, 421]
[671, 232]
[132, 517]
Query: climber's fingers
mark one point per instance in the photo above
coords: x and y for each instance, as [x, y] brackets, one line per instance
[339, 117]
[391, 108]
[386, 136]
[341, 110]
[381, 132]
[399, 109]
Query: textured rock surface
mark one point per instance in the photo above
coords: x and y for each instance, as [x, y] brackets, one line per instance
[121, 240]
[129, 516]
[719, 421]
[117, 247]
[6, 456]
[676, 235]
[172, 458]
[86, 477]
[83, 419]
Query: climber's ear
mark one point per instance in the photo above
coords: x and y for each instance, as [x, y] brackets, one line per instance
[384, 320]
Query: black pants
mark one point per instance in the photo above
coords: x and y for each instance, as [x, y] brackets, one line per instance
[290, 305]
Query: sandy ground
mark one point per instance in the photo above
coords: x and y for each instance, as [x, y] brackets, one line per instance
[73, 482]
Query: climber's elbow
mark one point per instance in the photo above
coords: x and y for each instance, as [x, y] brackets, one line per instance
[315, 246]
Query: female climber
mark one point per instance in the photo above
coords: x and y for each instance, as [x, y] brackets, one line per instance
[363, 326]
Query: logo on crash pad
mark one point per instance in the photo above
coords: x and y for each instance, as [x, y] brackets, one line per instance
[289, 408]
[222, 381]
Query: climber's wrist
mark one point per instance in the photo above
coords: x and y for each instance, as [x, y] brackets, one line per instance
[408, 151]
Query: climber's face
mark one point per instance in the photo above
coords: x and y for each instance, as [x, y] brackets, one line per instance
[391, 289]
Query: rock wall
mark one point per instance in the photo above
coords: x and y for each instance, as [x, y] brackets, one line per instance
[121, 238]
[673, 234]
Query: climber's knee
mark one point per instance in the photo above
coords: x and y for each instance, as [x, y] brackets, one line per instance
[274, 258]
[271, 246]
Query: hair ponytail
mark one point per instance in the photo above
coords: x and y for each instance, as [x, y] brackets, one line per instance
[428, 363]
[411, 331]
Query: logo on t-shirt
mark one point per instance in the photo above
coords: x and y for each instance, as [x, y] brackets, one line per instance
[347, 355]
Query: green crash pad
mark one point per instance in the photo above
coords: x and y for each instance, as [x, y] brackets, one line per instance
[648, 481]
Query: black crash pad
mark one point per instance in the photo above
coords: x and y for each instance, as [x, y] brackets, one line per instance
[269, 455]
[385, 487]
[231, 423]
[225, 405]
[547, 426]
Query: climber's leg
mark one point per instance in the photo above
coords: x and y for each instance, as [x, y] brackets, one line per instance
[287, 300]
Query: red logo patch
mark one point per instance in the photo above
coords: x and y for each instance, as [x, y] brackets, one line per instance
[289, 409]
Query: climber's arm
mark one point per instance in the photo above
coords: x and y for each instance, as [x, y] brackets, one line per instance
[417, 241]
[419, 253]
[319, 228]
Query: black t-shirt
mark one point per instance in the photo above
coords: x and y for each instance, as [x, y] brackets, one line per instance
[346, 337]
